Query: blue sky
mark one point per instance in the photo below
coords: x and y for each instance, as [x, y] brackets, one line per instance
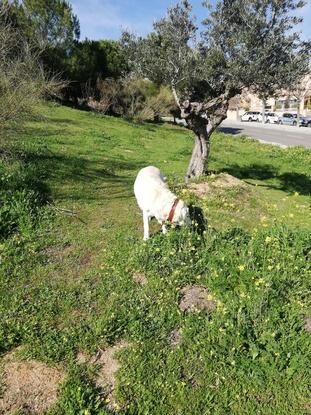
[104, 19]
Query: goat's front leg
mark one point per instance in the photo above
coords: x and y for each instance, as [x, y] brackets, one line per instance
[164, 229]
[146, 225]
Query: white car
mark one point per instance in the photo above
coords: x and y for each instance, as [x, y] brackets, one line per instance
[271, 117]
[251, 116]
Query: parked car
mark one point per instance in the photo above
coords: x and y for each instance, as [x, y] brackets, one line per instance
[307, 122]
[271, 117]
[291, 119]
[251, 116]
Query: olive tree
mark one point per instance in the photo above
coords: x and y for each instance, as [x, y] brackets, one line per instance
[244, 44]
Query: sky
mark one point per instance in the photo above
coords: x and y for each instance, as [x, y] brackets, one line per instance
[105, 19]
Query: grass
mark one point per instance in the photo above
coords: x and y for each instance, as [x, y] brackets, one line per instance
[71, 242]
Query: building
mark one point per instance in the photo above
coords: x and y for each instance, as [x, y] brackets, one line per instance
[286, 101]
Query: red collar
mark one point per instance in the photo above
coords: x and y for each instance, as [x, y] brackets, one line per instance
[172, 211]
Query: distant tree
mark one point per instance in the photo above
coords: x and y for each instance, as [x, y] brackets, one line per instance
[116, 62]
[51, 25]
[48, 22]
[245, 44]
[90, 61]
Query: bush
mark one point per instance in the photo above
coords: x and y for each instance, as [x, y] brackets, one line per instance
[159, 105]
[22, 80]
[135, 99]
[109, 91]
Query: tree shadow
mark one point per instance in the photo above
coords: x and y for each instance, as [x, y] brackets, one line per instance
[287, 181]
[64, 121]
[252, 171]
[199, 222]
[296, 182]
[230, 130]
[76, 177]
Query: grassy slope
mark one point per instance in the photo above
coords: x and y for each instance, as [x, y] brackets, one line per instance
[77, 293]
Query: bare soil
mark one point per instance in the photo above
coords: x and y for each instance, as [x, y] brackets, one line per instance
[308, 324]
[221, 182]
[108, 368]
[196, 298]
[55, 254]
[140, 278]
[175, 337]
[28, 386]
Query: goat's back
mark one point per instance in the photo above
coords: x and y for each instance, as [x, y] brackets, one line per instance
[149, 187]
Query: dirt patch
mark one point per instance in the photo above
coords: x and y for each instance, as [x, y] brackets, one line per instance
[308, 324]
[108, 368]
[220, 182]
[140, 278]
[175, 337]
[196, 298]
[307, 409]
[55, 254]
[28, 386]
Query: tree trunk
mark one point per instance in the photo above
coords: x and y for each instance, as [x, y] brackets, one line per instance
[198, 162]
[202, 118]
[298, 113]
[238, 108]
[199, 159]
[263, 110]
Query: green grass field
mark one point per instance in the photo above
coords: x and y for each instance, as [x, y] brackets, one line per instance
[71, 242]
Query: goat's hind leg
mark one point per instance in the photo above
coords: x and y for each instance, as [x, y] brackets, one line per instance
[146, 225]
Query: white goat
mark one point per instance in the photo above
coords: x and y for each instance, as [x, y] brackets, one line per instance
[156, 200]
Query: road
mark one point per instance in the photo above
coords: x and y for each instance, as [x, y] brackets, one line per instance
[282, 135]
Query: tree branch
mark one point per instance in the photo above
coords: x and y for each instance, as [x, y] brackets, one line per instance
[175, 95]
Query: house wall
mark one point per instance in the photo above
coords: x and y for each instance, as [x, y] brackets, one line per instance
[250, 102]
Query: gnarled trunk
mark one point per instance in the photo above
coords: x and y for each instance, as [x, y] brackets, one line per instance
[200, 153]
[198, 165]
[202, 118]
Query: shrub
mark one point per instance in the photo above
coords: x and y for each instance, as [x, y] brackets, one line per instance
[22, 80]
[136, 99]
[109, 91]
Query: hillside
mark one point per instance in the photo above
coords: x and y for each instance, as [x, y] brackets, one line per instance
[77, 281]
